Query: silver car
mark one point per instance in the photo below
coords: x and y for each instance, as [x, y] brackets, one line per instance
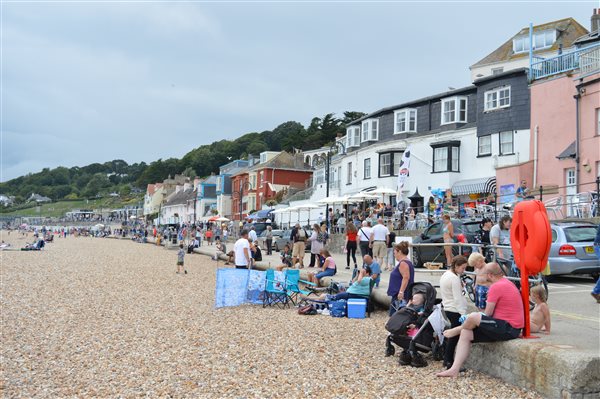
[572, 249]
[262, 239]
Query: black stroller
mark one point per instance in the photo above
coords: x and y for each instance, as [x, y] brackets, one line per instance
[424, 340]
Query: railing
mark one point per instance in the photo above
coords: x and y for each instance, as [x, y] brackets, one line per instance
[586, 59]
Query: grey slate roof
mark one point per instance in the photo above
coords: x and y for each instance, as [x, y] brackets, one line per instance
[568, 152]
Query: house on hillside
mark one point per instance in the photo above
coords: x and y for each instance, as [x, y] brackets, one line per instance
[38, 198]
[549, 39]
[176, 208]
[223, 188]
[207, 197]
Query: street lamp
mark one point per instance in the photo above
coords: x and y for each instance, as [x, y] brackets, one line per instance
[333, 149]
[243, 184]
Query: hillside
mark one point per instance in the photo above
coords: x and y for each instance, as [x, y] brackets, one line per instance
[59, 208]
[119, 176]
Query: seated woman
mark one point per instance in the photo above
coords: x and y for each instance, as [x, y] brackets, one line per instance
[360, 288]
[328, 269]
[540, 315]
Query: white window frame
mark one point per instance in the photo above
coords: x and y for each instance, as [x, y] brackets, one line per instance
[353, 136]
[512, 135]
[521, 43]
[497, 98]
[410, 117]
[367, 168]
[438, 159]
[369, 130]
[481, 145]
[457, 110]
[349, 173]
[389, 164]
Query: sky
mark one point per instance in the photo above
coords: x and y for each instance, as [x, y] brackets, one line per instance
[85, 82]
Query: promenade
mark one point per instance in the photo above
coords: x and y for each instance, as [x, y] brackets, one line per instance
[91, 317]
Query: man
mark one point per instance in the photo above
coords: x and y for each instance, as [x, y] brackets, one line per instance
[298, 237]
[502, 320]
[269, 240]
[378, 241]
[364, 237]
[522, 192]
[252, 234]
[341, 223]
[241, 249]
[375, 269]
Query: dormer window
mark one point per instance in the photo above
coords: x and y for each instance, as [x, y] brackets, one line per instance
[353, 137]
[454, 110]
[497, 98]
[405, 120]
[370, 130]
[541, 40]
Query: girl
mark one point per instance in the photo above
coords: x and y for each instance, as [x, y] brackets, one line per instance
[315, 245]
[448, 234]
[350, 244]
[540, 316]
[329, 268]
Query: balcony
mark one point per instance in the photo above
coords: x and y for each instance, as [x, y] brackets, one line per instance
[587, 60]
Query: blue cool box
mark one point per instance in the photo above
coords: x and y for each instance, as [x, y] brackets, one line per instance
[357, 308]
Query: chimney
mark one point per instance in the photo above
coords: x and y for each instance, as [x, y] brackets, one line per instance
[595, 20]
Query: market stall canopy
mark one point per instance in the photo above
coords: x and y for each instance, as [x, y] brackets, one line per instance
[383, 191]
[484, 185]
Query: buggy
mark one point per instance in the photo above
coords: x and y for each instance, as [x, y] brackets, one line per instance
[430, 322]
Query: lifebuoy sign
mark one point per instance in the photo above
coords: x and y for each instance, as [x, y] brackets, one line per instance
[531, 236]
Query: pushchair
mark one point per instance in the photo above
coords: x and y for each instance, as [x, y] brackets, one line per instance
[430, 322]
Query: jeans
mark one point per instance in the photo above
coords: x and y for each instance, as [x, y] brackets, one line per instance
[451, 342]
[328, 272]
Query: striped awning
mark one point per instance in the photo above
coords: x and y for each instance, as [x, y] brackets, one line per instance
[485, 185]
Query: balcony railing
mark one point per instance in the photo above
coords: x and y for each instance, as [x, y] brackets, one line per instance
[586, 59]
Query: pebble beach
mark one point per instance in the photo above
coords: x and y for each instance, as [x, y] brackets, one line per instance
[89, 317]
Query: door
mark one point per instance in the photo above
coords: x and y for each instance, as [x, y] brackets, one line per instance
[571, 192]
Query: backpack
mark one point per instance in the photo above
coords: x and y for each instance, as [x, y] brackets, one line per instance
[307, 310]
[257, 254]
[337, 308]
[301, 234]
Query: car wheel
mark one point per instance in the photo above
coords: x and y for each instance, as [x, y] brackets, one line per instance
[595, 276]
[276, 248]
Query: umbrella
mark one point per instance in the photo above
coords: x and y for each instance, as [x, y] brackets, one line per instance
[213, 219]
[362, 196]
[383, 191]
[222, 219]
[329, 200]
[306, 207]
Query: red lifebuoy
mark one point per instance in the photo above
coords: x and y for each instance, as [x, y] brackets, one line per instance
[535, 239]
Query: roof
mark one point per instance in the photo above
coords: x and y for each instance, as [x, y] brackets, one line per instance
[438, 96]
[589, 38]
[151, 189]
[568, 152]
[569, 29]
[283, 161]
[212, 179]
[181, 197]
[517, 71]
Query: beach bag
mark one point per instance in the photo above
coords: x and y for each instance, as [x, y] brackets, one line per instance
[337, 308]
[307, 310]
[301, 235]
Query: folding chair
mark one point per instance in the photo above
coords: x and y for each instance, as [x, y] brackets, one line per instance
[292, 280]
[275, 291]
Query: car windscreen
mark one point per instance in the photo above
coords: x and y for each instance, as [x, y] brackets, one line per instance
[580, 234]
[470, 228]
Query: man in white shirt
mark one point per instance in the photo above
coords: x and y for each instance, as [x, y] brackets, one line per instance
[364, 237]
[241, 249]
[252, 235]
[378, 239]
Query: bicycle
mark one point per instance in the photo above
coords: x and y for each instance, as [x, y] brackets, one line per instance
[468, 286]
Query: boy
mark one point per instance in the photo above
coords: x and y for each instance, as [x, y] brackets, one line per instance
[180, 256]
[482, 286]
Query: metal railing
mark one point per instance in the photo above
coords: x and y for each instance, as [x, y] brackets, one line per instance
[585, 59]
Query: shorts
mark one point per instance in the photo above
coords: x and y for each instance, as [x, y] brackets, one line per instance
[298, 249]
[491, 330]
[481, 292]
[328, 272]
[379, 249]
[179, 263]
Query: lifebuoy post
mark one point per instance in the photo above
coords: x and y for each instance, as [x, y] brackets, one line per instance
[530, 237]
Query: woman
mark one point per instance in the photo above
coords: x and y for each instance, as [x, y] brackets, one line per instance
[269, 240]
[431, 206]
[484, 234]
[350, 244]
[454, 302]
[500, 235]
[448, 234]
[391, 241]
[315, 245]
[329, 268]
[401, 278]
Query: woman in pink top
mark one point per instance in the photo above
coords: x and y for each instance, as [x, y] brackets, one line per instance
[328, 269]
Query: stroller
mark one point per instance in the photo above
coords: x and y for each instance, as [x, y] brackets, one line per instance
[426, 339]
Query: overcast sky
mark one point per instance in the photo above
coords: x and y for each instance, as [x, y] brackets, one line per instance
[92, 82]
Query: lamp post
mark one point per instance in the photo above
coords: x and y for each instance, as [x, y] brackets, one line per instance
[243, 184]
[332, 151]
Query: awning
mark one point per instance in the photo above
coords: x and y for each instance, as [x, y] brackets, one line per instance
[568, 152]
[484, 185]
[262, 214]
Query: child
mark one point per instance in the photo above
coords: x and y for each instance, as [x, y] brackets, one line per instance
[540, 316]
[482, 286]
[180, 256]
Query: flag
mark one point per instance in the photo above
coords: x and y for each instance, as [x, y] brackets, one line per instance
[403, 172]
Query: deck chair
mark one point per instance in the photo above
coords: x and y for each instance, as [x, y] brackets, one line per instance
[275, 291]
[292, 280]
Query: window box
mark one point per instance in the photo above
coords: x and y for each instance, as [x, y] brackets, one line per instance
[405, 121]
[454, 110]
[497, 98]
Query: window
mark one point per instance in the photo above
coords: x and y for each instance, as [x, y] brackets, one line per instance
[454, 110]
[405, 121]
[497, 98]
[370, 130]
[598, 121]
[261, 177]
[484, 146]
[446, 156]
[571, 179]
[349, 175]
[353, 136]
[385, 164]
[367, 168]
[497, 71]
[506, 143]
[541, 40]
[263, 158]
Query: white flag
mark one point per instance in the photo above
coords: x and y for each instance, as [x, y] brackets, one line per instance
[403, 172]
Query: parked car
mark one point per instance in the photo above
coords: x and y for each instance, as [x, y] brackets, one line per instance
[279, 242]
[572, 249]
[433, 235]
[262, 240]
